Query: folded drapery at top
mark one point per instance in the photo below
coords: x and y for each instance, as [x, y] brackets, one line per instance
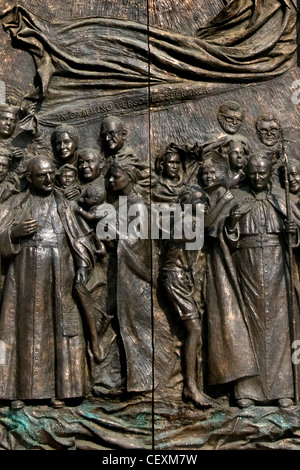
[248, 41]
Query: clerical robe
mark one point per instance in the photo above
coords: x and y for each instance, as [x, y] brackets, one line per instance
[41, 330]
[262, 265]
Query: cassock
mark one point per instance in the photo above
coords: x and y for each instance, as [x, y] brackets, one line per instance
[260, 258]
[41, 329]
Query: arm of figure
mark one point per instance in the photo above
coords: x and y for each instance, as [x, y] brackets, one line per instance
[292, 231]
[81, 276]
[233, 219]
[10, 236]
[23, 229]
[231, 226]
[215, 211]
[85, 214]
[72, 193]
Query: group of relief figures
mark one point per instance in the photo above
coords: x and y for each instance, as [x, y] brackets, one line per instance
[67, 294]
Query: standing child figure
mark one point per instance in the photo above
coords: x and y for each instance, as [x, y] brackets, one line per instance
[177, 285]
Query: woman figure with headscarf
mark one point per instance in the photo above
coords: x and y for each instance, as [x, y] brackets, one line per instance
[129, 279]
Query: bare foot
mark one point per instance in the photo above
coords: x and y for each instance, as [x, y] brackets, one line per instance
[197, 397]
